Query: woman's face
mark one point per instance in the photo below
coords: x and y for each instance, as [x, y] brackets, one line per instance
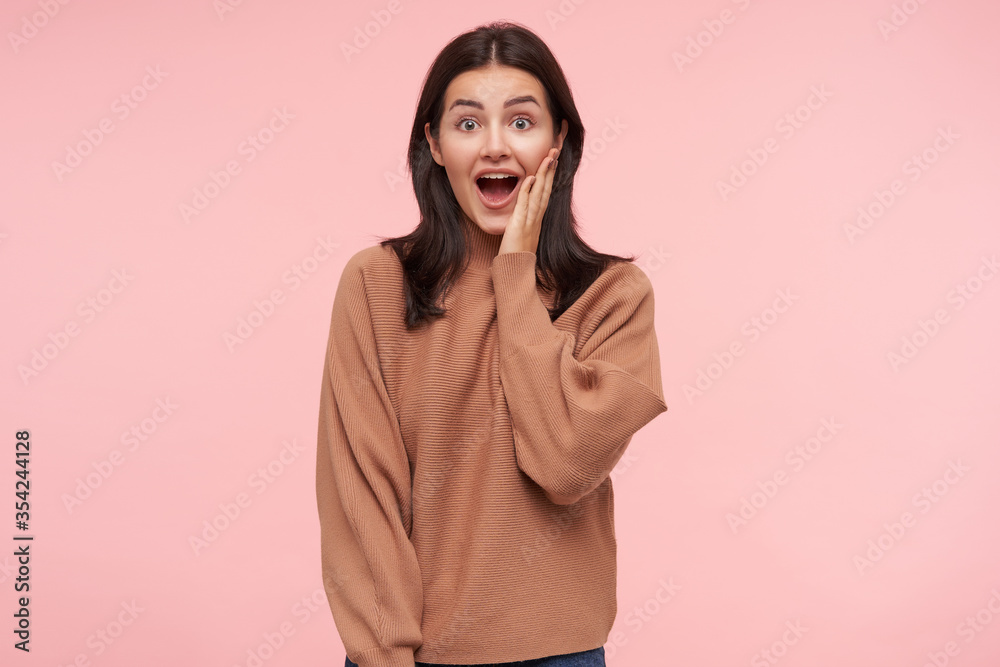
[495, 122]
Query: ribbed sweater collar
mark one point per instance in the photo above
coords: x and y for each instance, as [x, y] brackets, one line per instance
[481, 247]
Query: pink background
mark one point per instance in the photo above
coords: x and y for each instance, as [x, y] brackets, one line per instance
[695, 587]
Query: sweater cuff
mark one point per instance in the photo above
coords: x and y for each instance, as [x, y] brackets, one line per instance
[522, 318]
[401, 656]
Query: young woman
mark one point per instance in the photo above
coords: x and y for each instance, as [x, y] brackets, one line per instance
[483, 376]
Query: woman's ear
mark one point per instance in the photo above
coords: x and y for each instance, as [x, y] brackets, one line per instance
[435, 148]
[562, 134]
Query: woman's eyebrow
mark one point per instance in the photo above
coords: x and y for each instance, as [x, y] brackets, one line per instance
[509, 103]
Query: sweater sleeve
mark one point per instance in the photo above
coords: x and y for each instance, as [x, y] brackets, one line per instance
[573, 416]
[370, 569]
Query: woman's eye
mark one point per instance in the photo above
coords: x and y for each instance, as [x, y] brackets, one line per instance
[468, 125]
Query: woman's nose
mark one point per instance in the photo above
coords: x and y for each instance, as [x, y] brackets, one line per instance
[495, 144]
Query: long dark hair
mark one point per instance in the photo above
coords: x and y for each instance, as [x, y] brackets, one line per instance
[433, 255]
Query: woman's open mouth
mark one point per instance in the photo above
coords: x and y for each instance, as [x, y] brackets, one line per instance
[497, 190]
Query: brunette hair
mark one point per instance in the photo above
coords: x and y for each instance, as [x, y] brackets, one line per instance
[433, 255]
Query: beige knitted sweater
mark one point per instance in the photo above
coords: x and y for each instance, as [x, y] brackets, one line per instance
[462, 470]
